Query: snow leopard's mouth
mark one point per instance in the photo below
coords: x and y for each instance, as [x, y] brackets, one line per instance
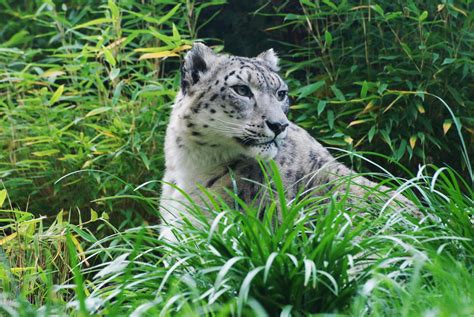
[253, 142]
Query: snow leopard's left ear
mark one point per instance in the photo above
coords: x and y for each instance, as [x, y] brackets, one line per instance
[196, 63]
[270, 58]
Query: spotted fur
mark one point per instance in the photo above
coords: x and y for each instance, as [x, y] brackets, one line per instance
[218, 125]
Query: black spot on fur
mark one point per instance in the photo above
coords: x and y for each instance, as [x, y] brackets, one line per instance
[179, 142]
[196, 108]
[212, 111]
[195, 133]
[184, 82]
[201, 95]
[214, 97]
[199, 65]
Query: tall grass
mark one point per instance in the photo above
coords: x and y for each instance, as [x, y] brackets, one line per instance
[328, 254]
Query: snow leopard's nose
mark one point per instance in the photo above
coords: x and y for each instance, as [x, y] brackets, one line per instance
[276, 127]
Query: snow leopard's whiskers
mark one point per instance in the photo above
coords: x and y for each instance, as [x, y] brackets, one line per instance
[229, 123]
[234, 131]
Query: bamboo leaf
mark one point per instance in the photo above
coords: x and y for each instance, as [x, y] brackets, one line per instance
[413, 139]
[97, 111]
[446, 126]
[338, 93]
[109, 57]
[309, 89]
[45, 153]
[94, 215]
[8, 238]
[3, 196]
[423, 16]
[158, 55]
[57, 94]
[93, 22]
[167, 16]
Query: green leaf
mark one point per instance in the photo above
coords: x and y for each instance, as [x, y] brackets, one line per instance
[94, 215]
[114, 10]
[57, 94]
[339, 95]
[328, 39]
[448, 61]
[176, 36]
[16, 39]
[371, 133]
[423, 16]
[97, 111]
[321, 106]
[330, 4]
[309, 89]
[145, 160]
[114, 73]
[93, 22]
[109, 57]
[45, 153]
[378, 9]
[167, 16]
[364, 89]
[401, 150]
[446, 126]
[245, 288]
[386, 138]
[3, 196]
[331, 119]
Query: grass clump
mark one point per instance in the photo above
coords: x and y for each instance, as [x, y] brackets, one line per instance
[323, 257]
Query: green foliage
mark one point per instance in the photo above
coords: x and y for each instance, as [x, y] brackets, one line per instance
[363, 71]
[327, 254]
[83, 90]
[85, 93]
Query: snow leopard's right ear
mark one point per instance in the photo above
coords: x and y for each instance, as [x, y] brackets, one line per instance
[196, 62]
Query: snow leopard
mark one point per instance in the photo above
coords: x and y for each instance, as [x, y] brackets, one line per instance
[230, 112]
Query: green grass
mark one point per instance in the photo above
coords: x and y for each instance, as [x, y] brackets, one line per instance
[327, 255]
[83, 112]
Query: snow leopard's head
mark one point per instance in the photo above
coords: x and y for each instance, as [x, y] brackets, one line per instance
[234, 102]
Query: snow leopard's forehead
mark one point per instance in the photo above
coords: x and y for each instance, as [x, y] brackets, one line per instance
[252, 71]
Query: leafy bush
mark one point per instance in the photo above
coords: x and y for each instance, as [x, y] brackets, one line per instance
[82, 88]
[366, 74]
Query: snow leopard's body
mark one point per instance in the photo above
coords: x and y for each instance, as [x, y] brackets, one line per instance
[229, 111]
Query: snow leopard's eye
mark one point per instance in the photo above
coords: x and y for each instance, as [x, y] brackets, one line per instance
[282, 95]
[243, 90]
